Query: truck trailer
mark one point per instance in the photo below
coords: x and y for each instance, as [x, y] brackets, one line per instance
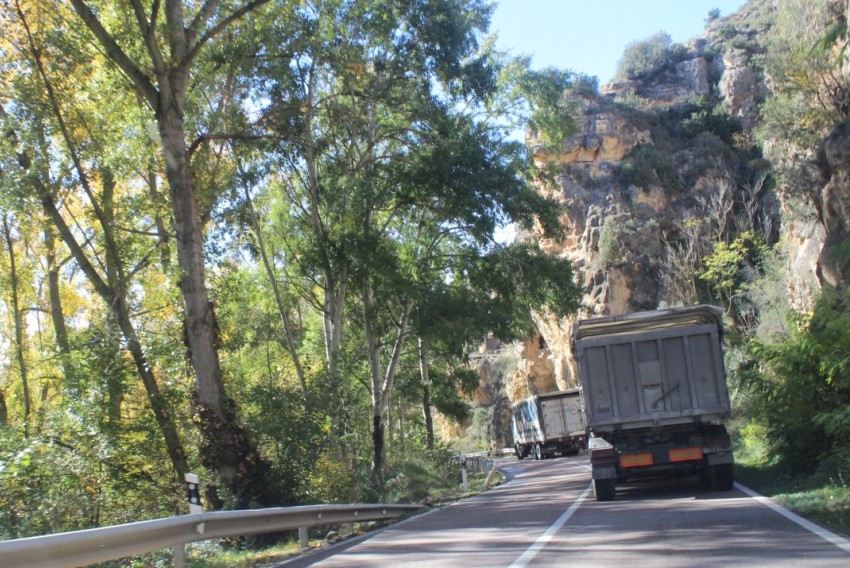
[655, 396]
[549, 423]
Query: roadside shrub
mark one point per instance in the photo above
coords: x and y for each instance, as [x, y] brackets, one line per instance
[801, 388]
[419, 476]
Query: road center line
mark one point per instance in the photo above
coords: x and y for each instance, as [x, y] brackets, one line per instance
[544, 539]
[828, 536]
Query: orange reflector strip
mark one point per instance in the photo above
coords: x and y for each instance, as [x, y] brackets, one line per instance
[633, 460]
[685, 454]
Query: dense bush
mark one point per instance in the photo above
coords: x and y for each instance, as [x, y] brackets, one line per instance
[801, 388]
[646, 165]
[644, 58]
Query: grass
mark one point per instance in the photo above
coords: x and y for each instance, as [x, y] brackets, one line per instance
[824, 502]
[212, 556]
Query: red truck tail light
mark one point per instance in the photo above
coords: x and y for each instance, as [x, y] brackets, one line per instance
[685, 454]
[636, 460]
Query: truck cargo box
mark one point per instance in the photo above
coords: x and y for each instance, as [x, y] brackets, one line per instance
[655, 368]
[548, 423]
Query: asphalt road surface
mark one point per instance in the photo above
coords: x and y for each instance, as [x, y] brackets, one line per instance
[546, 515]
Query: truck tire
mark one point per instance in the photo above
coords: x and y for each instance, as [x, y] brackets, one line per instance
[605, 489]
[520, 452]
[721, 477]
[538, 452]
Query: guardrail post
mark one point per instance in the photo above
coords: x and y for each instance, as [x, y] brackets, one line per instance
[463, 472]
[304, 537]
[178, 552]
[490, 474]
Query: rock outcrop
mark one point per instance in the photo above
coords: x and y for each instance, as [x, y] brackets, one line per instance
[665, 167]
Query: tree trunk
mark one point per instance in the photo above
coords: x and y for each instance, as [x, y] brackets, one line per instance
[278, 296]
[373, 350]
[4, 413]
[226, 447]
[57, 316]
[378, 449]
[19, 323]
[426, 393]
[382, 383]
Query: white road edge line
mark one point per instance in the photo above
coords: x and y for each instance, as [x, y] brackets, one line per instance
[544, 539]
[828, 536]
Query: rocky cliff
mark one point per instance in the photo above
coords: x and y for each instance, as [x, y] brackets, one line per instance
[668, 166]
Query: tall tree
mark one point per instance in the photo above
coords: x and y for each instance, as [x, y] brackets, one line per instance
[384, 158]
[108, 274]
[18, 321]
[160, 50]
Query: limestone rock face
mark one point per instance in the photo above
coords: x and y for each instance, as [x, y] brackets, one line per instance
[534, 374]
[643, 196]
[606, 136]
[834, 206]
[804, 238]
[622, 237]
[687, 80]
[740, 88]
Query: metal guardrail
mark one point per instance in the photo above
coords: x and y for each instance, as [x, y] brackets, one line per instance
[500, 453]
[80, 548]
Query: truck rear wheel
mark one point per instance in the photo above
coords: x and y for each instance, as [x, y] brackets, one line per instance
[538, 451]
[721, 477]
[605, 489]
[520, 452]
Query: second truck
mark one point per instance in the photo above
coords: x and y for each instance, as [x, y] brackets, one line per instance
[549, 423]
[655, 396]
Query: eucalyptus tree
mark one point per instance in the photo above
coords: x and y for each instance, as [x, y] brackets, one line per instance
[157, 48]
[384, 157]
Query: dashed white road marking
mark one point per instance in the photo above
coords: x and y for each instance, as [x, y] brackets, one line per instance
[541, 542]
[828, 536]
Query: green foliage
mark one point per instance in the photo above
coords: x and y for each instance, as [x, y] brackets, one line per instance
[645, 58]
[477, 435]
[802, 388]
[713, 14]
[646, 165]
[421, 475]
[502, 366]
[714, 120]
[809, 95]
[542, 100]
[520, 278]
[731, 265]
[609, 244]
[448, 389]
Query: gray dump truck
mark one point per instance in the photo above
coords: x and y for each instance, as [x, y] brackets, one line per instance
[655, 396]
[549, 423]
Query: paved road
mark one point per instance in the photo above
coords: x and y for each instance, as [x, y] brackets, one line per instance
[546, 516]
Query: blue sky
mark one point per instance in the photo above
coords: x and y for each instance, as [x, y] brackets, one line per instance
[590, 36]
